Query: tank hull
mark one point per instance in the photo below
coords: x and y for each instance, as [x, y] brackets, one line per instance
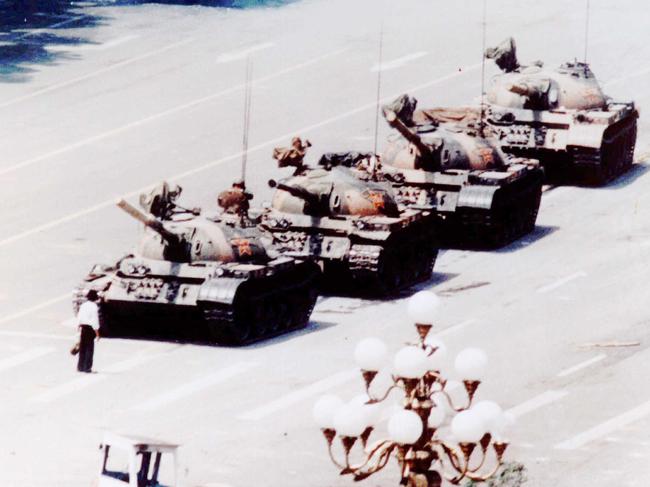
[369, 256]
[230, 304]
[589, 147]
[477, 209]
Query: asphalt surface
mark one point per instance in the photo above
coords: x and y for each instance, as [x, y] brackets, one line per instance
[155, 92]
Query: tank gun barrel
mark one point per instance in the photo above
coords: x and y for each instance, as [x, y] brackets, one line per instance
[301, 193]
[148, 221]
[410, 135]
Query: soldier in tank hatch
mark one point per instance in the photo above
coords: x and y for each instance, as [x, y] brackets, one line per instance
[292, 156]
[236, 200]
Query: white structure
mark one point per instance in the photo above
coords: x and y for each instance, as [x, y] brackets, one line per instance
[137, 462]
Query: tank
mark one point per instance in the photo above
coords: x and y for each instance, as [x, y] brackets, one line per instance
[354, 229]
[561, 117]
[481, 197]
[196, 277]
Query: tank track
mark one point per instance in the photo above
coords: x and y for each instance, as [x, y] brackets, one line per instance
[597, 167]
[513, 215]
[265, 307]
[399, 263]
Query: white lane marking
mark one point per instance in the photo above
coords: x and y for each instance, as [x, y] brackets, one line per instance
[99, 46]
[72, 81]
[69, 387]
[88, 380]
[581, 365]
[49, 27]
[454, 328]
[537, 402]
[45, 304]
[299, 395]
[155, 116]
[561, 282]
[396, 63]
[241, 54]
[26, 334]
[24, 357]
[605, 428]
[70, 323]
[195, 386]
[237, 155]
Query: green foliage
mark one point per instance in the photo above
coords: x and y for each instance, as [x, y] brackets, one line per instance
[511, 474]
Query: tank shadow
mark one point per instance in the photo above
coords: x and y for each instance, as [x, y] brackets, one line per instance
[538, 233]
[569, 178]
[348, 289]
[314, 326]
[625, 179]
[199, 336]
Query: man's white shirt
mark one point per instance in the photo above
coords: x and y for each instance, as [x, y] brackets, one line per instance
[89, 315]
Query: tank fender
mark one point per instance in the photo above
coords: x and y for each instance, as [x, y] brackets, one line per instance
[477, 196]
[586, 135]
[220, 290]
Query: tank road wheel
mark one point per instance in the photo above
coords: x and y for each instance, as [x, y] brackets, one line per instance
[616, 153]
[630, 144]
[259, 320]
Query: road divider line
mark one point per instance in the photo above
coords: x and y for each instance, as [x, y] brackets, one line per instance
[561, 282]
[88, 380]
[603, 429]
[69, 387]
[72, 81]
[237, 155]
[581, 365]
[32, 309]
[396, 63]
[26, 334]
[156, 116]
[241, 54]
[24, 357]
[49, 27]
[537, 402]
[299, 395]
[195, 386]
[455, 328]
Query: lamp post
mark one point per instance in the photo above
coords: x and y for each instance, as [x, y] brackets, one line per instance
[425, 457]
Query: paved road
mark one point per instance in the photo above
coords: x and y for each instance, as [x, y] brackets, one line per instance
[156, 93]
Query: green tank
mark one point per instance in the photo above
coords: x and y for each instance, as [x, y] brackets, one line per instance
[354, 229]
[193, 277]
[481, 197]
[561, 117]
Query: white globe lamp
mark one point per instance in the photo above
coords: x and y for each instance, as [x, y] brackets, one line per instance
[405, 427]
[410, 363]
[370, 354]
[325, 409]
[467, 427]
[471, 363]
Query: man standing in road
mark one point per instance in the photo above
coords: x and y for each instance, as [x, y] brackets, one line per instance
[88, 319]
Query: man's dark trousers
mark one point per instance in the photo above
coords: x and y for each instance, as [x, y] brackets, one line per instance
[86, 348]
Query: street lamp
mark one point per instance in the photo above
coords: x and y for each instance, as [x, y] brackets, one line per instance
[414, 430]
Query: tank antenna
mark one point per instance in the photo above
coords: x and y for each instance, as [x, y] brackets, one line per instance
[482, 115]
[587, 31]
[247, 115]
[379, 70]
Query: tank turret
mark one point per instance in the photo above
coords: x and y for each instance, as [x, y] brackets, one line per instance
[334, 192]
[440, 162]
[430, 146]
[561, 117]
[352, 228]
[197, 278]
